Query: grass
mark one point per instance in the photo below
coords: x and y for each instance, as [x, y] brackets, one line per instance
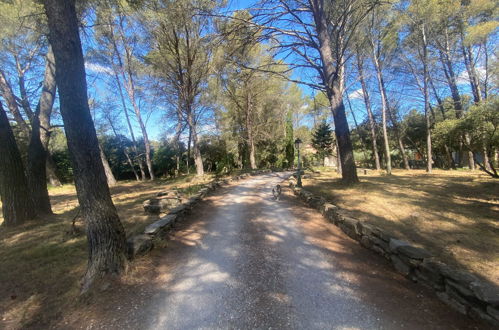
[453, 214]
[41, 262]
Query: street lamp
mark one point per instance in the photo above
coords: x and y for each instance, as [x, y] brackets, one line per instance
[298, 142]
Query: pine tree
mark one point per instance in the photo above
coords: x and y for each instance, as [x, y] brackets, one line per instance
[322, 140]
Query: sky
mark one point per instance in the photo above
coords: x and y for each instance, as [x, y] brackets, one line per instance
[157, 124]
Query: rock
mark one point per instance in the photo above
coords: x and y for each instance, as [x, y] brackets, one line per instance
[478, 314]
[381, 234]
[139, 244]
[380, 243]
[350, 226]
[494, 312]
[429, 271]
[366, 229]
[463, 278]
[178, 210]
[400, 266]
[329, 211]
[413, 252]
[153, 209]
[488, 293]
[366, 242]
[459, 288]
[395, 244]
[316, 202]
[162, 223]
[380, 251]
[451, 302]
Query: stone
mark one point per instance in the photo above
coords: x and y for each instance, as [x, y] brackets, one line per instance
[316, 202]
[429, 271]
[381, 234]
[350, 226]
[366, 242]
[477, 314]
[459, 288]
[395, 244]
[153, 209]
[380, 251]
[400, 266]
[178, 210]
[366, 229]
[461, 277]
[329, 211]
[451, 302]
[162, 223]
[139, 244]
[413, 252]
[380, 243]
[488, 293]
[494, 312]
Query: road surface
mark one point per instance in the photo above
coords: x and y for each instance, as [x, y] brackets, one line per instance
[243, 260]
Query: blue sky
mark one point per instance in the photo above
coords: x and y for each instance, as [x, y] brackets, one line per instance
[157, 124]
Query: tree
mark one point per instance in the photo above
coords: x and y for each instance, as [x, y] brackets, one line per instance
[181, 56]
[23, 41]
[323, 141]
[17, 205]
[117, 36]
[105, 233]
[481, 123]
[318, 34]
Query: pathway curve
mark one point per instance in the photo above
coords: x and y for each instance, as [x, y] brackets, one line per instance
[243, 260]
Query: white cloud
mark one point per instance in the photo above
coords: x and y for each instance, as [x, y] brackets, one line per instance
[97, 68]
[463, 77]
[358, 94]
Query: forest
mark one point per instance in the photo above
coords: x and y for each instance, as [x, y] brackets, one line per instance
[98, 91]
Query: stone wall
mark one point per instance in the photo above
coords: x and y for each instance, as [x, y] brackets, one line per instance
[142, 243]
[459, 289]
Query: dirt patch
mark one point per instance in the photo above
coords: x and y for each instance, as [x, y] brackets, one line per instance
[42, 262]
[454, 214]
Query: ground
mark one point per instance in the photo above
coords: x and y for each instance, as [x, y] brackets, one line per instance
[42, 261]
[242, 260]
[454, 214]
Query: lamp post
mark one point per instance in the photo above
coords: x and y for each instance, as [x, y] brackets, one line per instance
[298, 142]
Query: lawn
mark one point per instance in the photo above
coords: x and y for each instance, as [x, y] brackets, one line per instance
[453, 214]
[42, 262]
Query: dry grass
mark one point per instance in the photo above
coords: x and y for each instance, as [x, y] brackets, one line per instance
[454, 214]
[41, 262]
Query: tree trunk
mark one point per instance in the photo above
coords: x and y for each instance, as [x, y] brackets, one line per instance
[17, 205]
[111, 180]
[105, 233]
[372, 124]
[130, 129]
[40, 135]
[198, 160]
[36, 173]
[470, 69]
[10, 99]
[448, 153]
[384, 109]
[333, 75]
[249, 130]
[51, 170]
[426, 97]
[399, 138]
[189, 150]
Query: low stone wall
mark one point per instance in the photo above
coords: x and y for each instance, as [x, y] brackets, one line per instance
[142, 243]
[459, 289]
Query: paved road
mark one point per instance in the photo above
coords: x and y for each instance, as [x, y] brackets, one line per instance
[243, 260]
